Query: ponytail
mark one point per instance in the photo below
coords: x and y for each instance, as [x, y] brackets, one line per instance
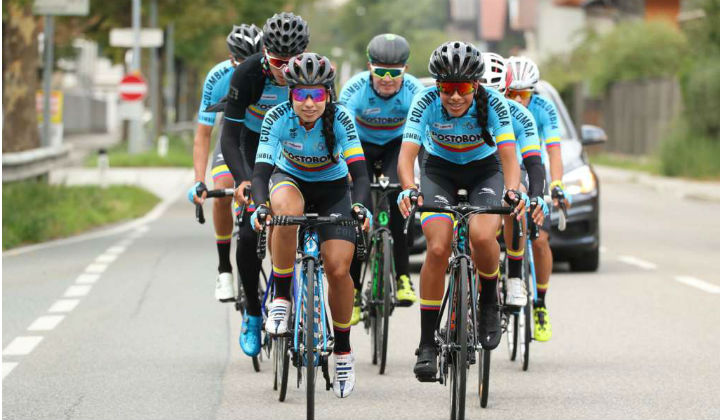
[328, 118]
[481, 104]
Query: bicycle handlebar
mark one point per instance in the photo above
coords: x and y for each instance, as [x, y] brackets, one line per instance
[462, 210]
[199, 213]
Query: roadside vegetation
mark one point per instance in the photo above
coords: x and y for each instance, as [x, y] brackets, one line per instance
[37, 212]
[179, 154]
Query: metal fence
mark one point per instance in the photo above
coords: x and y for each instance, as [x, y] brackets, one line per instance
[637, 114]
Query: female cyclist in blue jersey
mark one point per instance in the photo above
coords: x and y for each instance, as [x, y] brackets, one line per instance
[462, 126]
[533, 174]
[308, 145]
[379, 100]
[256, 86]
[523, 76]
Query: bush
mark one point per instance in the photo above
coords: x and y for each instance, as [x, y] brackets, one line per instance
[701, 94]
[687, 152]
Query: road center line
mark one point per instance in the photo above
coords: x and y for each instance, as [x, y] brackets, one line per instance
[7, 367]
[106, 258]
[21, 346]
[64, 305]
[46, 323]
[699, 284]
[87, 278]
[77, 290]
[96, 268]
[637, 262]
[115, 250]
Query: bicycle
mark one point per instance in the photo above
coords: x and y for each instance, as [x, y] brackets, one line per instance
[379, 299]
[310, 344]
[457, 339]
[241, 299]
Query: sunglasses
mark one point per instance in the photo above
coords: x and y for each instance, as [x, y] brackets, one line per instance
[301, 94]
[462, 88]
[524, 94]
[278, 63]
[393, 72]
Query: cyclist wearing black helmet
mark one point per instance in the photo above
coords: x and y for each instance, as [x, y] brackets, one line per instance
[243, 41]
[307, 148]
[461, 126]
[379, 99]
[256, 86]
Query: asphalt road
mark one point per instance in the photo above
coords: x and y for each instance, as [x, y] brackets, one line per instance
[125, 327]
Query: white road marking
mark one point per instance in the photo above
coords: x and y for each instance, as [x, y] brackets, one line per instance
[7, 367]
[22, 345]
[64, 305]
[87, 278]
[115, 250]
[96, 268]
[143, 228]
[637, 262]
[77, 290]
[699, 284]
[124, 243]
[106, 258]
[46, 323]
[603, 250]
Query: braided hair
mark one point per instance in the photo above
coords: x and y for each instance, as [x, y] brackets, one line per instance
[328, 119]
[481, 105]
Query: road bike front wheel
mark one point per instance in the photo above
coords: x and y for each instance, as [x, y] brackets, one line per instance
[459, 349]
[309, 326]
[387, 300]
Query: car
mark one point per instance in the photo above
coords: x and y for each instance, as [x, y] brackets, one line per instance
[579, 243]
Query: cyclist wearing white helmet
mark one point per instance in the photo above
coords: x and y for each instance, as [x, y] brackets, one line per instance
[523, 76]
[532, 177]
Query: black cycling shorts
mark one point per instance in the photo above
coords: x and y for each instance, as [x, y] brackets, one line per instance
[386, 156]
[322, 197]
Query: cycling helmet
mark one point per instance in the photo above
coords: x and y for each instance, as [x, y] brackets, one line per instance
[244, 40]
[286, 34]
[388, 49]
[456, 60]
[309, 69]
[495, 72]
[524, 73]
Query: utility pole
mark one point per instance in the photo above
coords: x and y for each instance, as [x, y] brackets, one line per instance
[49, 35]
[170, 74]
[136, 135]
[154, 77]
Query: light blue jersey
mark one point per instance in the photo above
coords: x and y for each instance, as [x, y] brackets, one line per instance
[526, 134]
[546, 118]
[217, 83]
[379, 120]
[302, 153]
[458, 140]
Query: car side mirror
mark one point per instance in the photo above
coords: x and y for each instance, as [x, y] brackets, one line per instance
[592, 135]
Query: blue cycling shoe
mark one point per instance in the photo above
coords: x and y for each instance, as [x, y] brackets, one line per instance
[250, 335]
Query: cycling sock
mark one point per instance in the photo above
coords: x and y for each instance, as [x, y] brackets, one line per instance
[488, 293]
[515, 259]
[223, 247]
[282, 278]
[355, 272]
[248, 266]
[429, 312]
[342, 337]
[541, 290]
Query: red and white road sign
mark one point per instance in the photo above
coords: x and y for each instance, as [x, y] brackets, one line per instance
[133, 87]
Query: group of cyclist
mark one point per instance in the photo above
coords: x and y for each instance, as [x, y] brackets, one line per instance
[297, 145]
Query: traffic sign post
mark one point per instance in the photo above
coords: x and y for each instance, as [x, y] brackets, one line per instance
[133, 87]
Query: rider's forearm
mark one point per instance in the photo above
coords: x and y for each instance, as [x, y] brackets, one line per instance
[556, 164]
[536, 175]
[232, 152]
[361, 183]
[259, 185]
[201, 150]
[510, 167]
[406, 164]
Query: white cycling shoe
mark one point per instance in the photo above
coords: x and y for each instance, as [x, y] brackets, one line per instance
[516, 294]
[225, 287]
[344, 379]
[278, 316]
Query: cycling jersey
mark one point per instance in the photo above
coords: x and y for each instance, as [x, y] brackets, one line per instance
[529, 151]
[546, 117]
[378, 119]
[272, 95]
[302, 153]
[217, 83]
[457, 140]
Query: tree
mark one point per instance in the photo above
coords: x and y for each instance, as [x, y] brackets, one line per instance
[20, 64]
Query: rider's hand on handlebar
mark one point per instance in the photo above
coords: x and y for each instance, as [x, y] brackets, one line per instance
[259, 217]
[558, 194]
[240, 193]
[515, 199]
[363, 215]
[197, 193]
[539, 210]
[405, 200]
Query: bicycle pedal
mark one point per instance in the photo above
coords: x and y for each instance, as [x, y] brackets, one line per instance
[423, 378]
[404, 303]
[232, 299]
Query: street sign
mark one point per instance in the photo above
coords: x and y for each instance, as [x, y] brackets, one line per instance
[61, 7]
[124, 37]
[132, 87]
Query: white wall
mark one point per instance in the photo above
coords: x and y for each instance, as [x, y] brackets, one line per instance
[558, 30]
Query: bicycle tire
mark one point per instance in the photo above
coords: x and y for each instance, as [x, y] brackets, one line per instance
[528, 335]
[256, 363]
[276, 367]
[512, 336]
[373, 311]
[284, 346]
[310, 338]
[484, 379]
[387, 299]
[458, 373]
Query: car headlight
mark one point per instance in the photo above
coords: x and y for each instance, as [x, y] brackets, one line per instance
[580, 181]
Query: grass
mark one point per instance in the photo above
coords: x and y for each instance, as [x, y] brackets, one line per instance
[685, 153]
[37, 212]
[179, 155]
[649, 164]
